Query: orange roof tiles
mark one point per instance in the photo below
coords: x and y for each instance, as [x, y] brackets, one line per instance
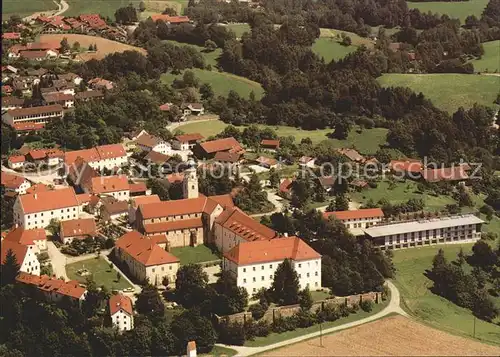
[271, 250]
[226, 144]
[226, 201]
[138, 187]
[120, 302]
[244, 226]
[455, 173]
[156, 157]
[286, 185]
[172, 208]
[11, 181]
[171, 19]
[409, 165]
[17, 158]
[266, 161]
[175, 177]
[26, 236]
[148, 140]
[225, 156]
[142, 200]
[96, 154]
[106, 184]
[268, 143]
[49, 200]
[355, 214]
[18, 249]
[185, 138]
[71, 288]
[46, 109]
[143, 250]
[78, 228]
[181, 224]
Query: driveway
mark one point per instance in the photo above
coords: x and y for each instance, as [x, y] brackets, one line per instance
[392, 307]
[58, 260]
[276, 200]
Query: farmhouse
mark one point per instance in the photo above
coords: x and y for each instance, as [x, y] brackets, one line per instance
[208, 149]
[34, 239]
[145, 259]
[254, 263]
[150, 143]
[16, 161]
[53, 289]
[77, 229]
[104, 156]
[445, 230]
[89, 95]
[307, 161]
[285, 188]
[114, 186]
[186, 141]
[25, 256]
[41, 114]
[357, 220]
[226, 157]
[408, 167]
[352, 155]
[14, 183]
[156, 158]
[121, 312]
[170, 19]
[38, 209]
[192, 109]
[271, 145]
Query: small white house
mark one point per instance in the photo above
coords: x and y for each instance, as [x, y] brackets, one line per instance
[121, 312]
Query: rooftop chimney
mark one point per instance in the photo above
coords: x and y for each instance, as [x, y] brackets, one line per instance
[35, 195]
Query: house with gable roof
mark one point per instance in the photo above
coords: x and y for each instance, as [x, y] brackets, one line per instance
[121, 312]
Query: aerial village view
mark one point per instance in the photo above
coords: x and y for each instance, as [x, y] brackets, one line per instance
[250, 178]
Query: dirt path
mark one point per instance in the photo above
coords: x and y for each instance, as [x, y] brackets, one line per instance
[63, 7]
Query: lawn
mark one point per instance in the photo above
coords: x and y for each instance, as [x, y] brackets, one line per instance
[490, 61]
[25, 8]
[101, 273]
[448, 91]
[239, 29]
[367, 142]
[210, 57]
[356, 39]
[330, 49]
[402, 192]
[432, 309]
[102, 7]
[192, 255]
[458, 9]
[320, 295]
[278, 337]
[222, 82]
[220, 351]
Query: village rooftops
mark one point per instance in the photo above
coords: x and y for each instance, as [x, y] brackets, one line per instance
[7, 101]
[173, 208]
[143, 200]
[186, 138]
[352, 155]
[16, 159]
[279, 249]
[18, 249]
[143, 250]
[25, 112]
[11, 181]
[152, 228]
[226, 144]
[114, 206]
[156, 157]
[11, 36]
[356, 214]
[71, 288]
[48, 201]
[39, 187]
[455, 173]
[225, 156]
[28, 126]
[57, 97]
[138, 187]
[106, 184]
[78, 228]
[25, 236]
[120, 302]
[148, 140]
[266, 161]
[35, 54]
[421, 225]
[98, 153]
[269, 143]
[244, 226]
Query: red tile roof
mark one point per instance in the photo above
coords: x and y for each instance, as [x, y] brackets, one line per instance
[171, 19]
[175, 177]
[18, 249]
[355, 214]
[142, 200]
[173, 208]
[17, 158]
[57, 97]
[156, 157]
[225, 156]
[165, 107]
[71, 288]
[11, 181]
[26, 236]
[34, 54]
[78, 228]
[177, 225]
[406, 165]
[226, 144]
[185, 138]
[39, 187]
[244, 226]
[268, 143]
[149, 141]
[143, 250]
[120, 302]
[138, 187]
[455, 173]
[352, 154]
[27, 126]
[266, 161]
[226, 201]
[47, 201]
[38, 154]
[107, 184]
[273, 250]
[96, 154]
[11, 36]
[113, 206]
[286, 185]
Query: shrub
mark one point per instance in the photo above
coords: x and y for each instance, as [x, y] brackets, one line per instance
[366, 305]
[354, 308]
[231, 333]
[305, 319]
[344, 311]
[257, 310]
[70, 251]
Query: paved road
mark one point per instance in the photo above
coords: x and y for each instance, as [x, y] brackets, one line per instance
[58, 260]
[393, 306]
[63, 7]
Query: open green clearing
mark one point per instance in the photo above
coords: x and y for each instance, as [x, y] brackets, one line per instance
[458, 9]
[25, 8]
[102, 7]
[330, 49]
[432, 309]
[221, 82]
[101, 273]
[490, 61]
[192, 255]
[210, 57]
[239, 29]
[356, 39]
[220, 351]
[368, 141]
[448, 91]
[278, 337]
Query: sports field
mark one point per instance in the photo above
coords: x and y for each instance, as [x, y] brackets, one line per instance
[448, 91]
[26, 7]
[432, 309]
[222, 82]
[490, 61]
[367, 142]
[390, 336]
[455, 9]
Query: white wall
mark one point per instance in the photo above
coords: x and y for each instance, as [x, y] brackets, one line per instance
[42, 219]
[31, 265]
[122, 320]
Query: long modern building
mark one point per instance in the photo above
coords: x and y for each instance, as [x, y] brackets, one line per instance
[41, 114]
[445, 230]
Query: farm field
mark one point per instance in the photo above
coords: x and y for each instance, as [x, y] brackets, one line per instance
[192, 255]
[389, 336]
[222, 82]
[210, 57]
[459, 10]
[25, 8]
[330, 49]
[101, 273]
[103, 7]
[432, 309]
[490, 61]
[104, 46]
[367, 142]
[448, 91]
